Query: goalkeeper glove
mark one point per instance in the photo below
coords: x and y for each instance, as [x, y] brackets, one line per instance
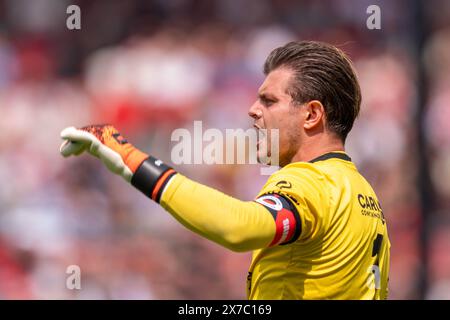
[144, 172]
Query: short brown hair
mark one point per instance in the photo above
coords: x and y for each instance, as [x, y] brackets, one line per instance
[322, 72]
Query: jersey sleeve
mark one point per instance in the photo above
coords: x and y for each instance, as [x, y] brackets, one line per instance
[297, 198]
[235, 224]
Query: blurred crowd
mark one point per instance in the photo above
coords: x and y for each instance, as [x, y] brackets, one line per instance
[149, 67]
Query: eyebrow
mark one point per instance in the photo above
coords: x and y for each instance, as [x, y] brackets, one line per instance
[266, 96]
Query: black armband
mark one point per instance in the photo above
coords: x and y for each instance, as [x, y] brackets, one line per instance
[151, 177]
[285, 214]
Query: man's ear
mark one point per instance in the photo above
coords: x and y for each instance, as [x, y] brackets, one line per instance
[314, 114]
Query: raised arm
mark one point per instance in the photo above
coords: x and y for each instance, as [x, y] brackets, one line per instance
[235, 224]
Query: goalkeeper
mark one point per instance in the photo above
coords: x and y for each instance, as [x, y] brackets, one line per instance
[316, 228]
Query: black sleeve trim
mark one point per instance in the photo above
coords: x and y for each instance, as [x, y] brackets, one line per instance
[151, 177]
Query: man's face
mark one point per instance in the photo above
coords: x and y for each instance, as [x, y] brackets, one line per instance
[274, 109]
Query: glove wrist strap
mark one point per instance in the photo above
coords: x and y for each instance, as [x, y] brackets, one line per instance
[151, 177]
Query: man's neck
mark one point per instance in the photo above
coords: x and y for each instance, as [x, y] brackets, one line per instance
[314, 148]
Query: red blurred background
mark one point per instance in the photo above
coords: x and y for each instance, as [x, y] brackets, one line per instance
[150, 67]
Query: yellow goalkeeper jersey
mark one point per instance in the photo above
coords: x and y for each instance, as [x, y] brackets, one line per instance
[340, 249]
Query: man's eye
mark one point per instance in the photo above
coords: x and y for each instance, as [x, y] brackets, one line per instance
[267, 102]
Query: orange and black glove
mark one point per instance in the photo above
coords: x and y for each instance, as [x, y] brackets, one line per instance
[144, 172]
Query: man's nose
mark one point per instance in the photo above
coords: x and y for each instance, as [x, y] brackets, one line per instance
[255, 111]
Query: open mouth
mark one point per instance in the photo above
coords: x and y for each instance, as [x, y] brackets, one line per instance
[261, 135]
[258, 141]
[262, 145]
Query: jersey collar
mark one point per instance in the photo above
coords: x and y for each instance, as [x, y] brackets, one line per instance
[331, 155]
